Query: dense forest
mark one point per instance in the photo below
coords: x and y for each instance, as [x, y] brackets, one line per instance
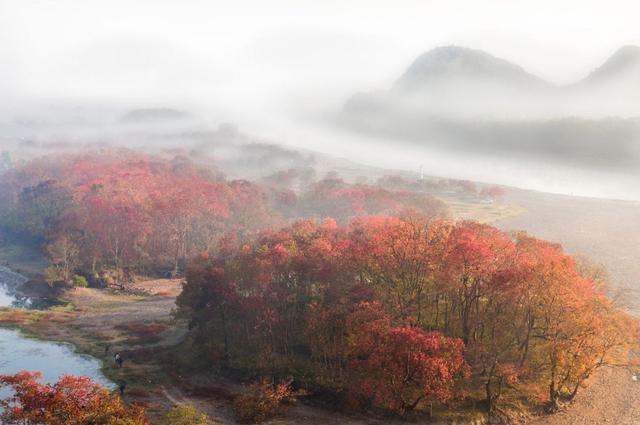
[106, 216]
[399, 313]
[368, 295]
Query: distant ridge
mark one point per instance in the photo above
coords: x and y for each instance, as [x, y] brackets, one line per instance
[455, 62]
[153, 114]
[447, 76]
[467, 100]
[623, 62]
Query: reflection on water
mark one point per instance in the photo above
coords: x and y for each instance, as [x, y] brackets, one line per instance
[17, 352]
[53, 360]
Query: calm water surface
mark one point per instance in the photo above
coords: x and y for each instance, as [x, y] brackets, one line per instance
[17, 352]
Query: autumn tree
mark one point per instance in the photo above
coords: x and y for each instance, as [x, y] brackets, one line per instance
[127, 210]
[64, 256]
[353, 304]
[399, 368]
[71, 400]
[342, 201]
[40, 208]
[210, 301]
[400, 258]
[575, 328]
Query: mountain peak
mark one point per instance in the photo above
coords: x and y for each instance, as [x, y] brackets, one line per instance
[453, 61]
[630, 51]
[625, 60]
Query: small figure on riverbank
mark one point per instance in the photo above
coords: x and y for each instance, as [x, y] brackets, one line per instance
[106, 349]
[122, 386]
[118, 359]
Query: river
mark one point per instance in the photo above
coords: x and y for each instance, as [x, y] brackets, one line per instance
[19, 352]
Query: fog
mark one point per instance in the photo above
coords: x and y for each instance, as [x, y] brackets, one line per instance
[282, 71]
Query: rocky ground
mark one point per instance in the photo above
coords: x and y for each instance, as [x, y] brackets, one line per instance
[612, 397]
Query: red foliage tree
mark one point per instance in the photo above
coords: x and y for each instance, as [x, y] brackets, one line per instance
[126, 210]
[400, 368]
[71, 400]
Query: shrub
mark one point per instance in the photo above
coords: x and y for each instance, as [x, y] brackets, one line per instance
[186, 415]
[145, 333]
[79, 281]
[262, 401]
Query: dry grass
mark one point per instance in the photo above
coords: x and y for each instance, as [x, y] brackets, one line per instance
[143, 333]
[138, 393]
[159, 287]
[19, 317]
[462, 209]
[143, 329]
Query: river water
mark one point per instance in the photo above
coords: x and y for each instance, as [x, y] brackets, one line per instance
[52, 359]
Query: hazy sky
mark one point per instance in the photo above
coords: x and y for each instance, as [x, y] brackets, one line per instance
[265, 55]
[268, 64]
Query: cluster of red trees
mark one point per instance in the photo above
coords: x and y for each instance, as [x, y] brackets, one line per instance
[71, 400]
[404, 312]
[439, 186]
[120, 210]
[103, 213]
[342, 201]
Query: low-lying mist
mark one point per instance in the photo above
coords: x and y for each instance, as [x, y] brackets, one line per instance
[455, 112]
[317, 143]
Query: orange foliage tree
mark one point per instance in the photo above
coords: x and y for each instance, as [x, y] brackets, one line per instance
[71, 400]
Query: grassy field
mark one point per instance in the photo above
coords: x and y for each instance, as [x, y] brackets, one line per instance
[467, 209]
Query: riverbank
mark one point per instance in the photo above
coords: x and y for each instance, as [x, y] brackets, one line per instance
[132, 325]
